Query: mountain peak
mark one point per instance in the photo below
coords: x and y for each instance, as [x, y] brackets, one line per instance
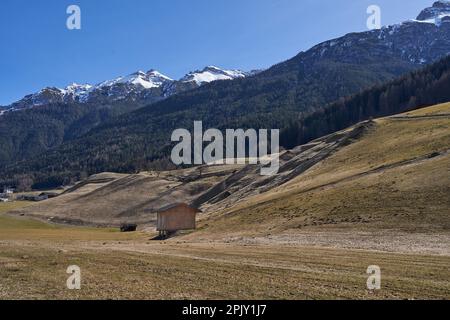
[138, 73]
[212, 73]
[213, 68]
[439, 10]
[75, 87]
[155, 74]
[146, 80]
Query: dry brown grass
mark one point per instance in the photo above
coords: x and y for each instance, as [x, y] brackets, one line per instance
[206, 271]
[364, 186]
[34, 257]
[443, 108]
[25, 229]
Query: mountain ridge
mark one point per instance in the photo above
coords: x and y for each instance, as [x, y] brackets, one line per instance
[138, 83]
[435, 15]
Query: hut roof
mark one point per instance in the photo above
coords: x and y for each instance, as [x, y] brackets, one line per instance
[174, 205]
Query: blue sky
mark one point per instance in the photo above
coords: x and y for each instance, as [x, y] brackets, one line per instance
[119, 37]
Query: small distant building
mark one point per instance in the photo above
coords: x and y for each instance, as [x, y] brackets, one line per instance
[128, 227]
[176, 217]
[7, 194]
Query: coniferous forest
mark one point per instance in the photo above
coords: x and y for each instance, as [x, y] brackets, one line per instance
[417, 89]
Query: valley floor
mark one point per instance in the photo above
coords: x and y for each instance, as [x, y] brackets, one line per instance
[215, 271]
[34, 257]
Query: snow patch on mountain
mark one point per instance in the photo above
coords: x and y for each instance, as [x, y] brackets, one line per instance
[439, 8]
[212, 73]
[76, 91]
[151, 79]
[438, 20]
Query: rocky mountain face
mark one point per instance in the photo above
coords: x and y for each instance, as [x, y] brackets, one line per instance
[409, 44]
[415, 41]
[440, 10]
[141, 87]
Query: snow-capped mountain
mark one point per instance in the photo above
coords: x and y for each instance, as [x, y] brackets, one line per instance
[212, 73]
[146, 87]
[418, 41]
[436, 13]
[140, 79]
[51, 95]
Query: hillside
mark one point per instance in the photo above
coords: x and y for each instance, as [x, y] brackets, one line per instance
[392, 180]
[380, 177]
[27, 133]
[109, 199]
[271, 99]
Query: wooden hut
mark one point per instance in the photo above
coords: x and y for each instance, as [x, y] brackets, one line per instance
[175, 217]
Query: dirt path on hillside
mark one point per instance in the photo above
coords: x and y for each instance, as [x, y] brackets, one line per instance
[424, 117]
